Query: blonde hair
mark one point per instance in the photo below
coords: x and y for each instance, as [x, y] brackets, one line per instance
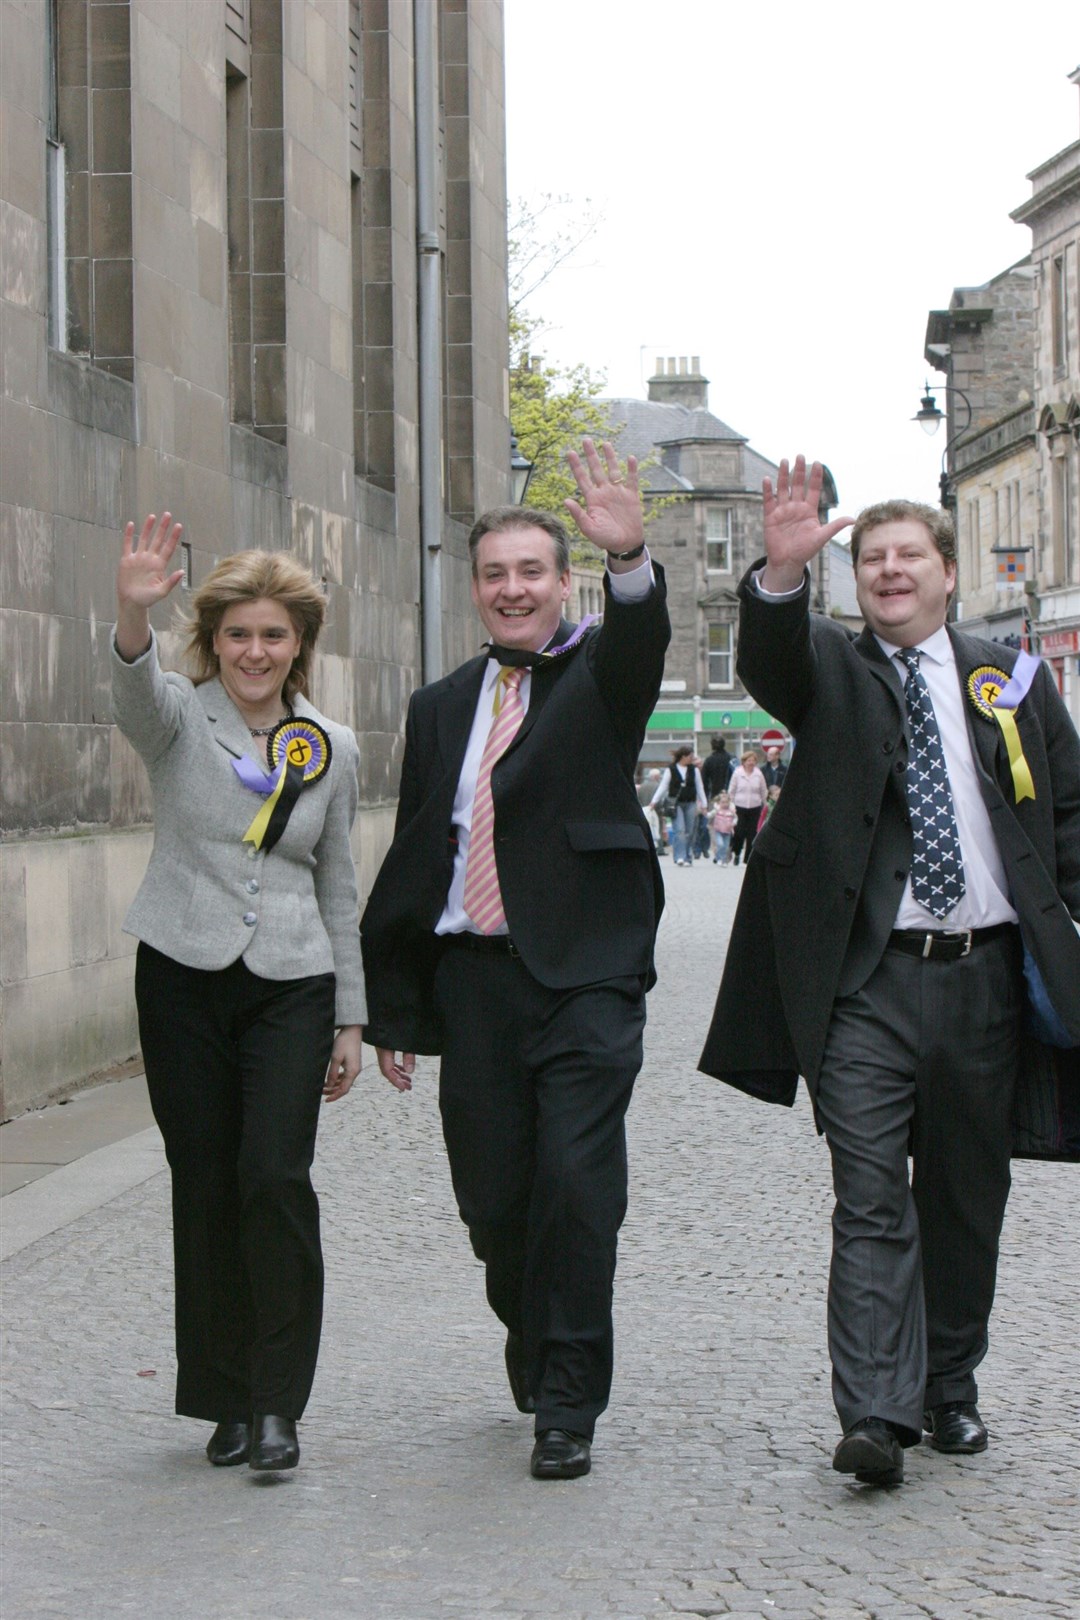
[253, 576]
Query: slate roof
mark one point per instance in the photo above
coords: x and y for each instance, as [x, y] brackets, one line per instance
[644, 425]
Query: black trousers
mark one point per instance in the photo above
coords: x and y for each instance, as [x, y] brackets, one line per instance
[533, 1090]
[742, 841]
[923, 1059]
[235, 1066]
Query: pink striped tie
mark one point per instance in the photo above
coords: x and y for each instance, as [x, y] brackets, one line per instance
[483, 901]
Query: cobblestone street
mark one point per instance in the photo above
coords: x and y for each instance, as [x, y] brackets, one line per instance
[711, 1492]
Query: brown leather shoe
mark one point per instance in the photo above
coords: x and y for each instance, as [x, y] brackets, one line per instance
[559, 1454]
[229, 1444]
[956, 1426]
[273, 1443]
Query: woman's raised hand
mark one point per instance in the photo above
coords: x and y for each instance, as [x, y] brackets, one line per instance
[143, 578]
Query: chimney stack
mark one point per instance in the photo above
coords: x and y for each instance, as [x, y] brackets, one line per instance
[678, 381]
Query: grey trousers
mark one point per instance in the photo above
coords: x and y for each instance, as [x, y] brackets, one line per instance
[921, 1060]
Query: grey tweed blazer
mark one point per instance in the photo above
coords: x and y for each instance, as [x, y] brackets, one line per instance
[207, 898]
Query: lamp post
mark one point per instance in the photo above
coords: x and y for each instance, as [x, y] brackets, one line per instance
[930, 418]
[520, 472]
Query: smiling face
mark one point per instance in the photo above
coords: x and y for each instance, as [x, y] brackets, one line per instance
[902, 582]
[518, 589]
[256, 643]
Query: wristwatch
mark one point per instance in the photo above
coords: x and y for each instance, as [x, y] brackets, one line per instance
[629, 556]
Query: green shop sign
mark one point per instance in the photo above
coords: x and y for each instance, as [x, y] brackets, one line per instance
[711, 720]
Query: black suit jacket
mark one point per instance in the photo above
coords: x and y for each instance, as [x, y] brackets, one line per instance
[822, 889]
[578, 872]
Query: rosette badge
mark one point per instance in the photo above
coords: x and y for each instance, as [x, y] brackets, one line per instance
[299, 752]
[996, 696]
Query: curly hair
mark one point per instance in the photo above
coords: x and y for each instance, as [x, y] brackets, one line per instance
[253, 576]
[935, 518]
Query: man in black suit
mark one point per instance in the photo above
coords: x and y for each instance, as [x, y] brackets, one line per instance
[511, 931]
[926, 834]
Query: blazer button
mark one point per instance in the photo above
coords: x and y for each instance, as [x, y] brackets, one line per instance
[250, 919]
[868, 818]
[900, 766]
[899, 876]
[887, 746]
[850, 893]
[252, 885]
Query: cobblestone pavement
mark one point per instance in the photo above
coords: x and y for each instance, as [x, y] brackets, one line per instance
[711, 1492]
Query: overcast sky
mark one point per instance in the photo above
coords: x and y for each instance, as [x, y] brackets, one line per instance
[785, 190]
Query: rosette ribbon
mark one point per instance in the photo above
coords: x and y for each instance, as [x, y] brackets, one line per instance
[998, 696]
[299, 752]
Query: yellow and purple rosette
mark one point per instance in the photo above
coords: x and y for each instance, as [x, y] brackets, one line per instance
[996, 696]
[299, 752]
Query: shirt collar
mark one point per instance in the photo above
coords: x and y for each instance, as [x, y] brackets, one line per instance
[938, 648]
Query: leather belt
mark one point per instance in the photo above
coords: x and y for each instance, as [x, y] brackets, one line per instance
[488, 944]
[944, 946]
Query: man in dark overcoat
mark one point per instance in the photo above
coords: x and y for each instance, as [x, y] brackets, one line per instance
[511, 931]
[928, 834]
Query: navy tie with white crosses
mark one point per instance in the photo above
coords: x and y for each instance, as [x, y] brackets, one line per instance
[937, 869]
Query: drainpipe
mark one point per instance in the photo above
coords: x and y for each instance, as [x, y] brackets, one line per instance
[429, 334]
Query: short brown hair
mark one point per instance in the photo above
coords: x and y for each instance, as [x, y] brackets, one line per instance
[505, 519]
[935, 518]
[254, 576]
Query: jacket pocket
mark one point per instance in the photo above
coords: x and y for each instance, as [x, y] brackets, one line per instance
[588, 835]
[776, 845]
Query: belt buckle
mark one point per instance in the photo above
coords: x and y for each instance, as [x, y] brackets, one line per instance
[967, 941]
[512, 950]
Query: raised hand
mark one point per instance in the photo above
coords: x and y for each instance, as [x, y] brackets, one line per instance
[794, 532]
[608, 507]
[143, 579]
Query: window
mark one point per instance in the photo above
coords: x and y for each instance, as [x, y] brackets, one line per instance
[1059, 309]
[718, 539]
[720, 655]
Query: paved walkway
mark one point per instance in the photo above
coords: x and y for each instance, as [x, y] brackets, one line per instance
[711, 1492]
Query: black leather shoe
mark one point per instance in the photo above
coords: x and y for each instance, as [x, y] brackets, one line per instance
[871, 1451]
[516, 1373]
[273, 1443]
[956, 1426]
[229, 1444]
[558, 1454]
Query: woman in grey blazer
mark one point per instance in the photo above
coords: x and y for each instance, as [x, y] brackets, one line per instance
[248, 979]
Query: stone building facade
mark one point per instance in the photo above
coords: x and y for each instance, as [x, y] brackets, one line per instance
[209, 302]
[703, 480]
[1053, 214]
[983, 344]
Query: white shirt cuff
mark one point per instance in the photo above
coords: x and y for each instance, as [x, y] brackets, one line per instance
[635, 584]
[775, 596]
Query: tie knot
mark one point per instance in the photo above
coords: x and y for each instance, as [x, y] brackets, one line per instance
[909, 656]
[510, 674]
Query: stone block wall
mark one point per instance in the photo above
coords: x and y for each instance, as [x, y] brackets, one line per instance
[252, 164]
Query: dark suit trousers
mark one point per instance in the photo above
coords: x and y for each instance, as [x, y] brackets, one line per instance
[534, 1088]
[923, 1059]
[235, 1066]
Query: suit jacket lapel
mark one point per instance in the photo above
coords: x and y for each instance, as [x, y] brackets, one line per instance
[226, 721]
[882, 668]
[985, 734]
[454, 714]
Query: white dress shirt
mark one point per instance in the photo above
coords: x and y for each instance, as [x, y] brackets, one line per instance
[633, 586]
[985, 901]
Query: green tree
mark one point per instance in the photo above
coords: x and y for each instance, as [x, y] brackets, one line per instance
[551, 408]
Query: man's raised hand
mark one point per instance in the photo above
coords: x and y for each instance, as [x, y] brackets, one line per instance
[608, 507]
[794, 533]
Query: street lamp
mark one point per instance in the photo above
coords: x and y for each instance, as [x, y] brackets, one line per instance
[520, 472]
[930, 418]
